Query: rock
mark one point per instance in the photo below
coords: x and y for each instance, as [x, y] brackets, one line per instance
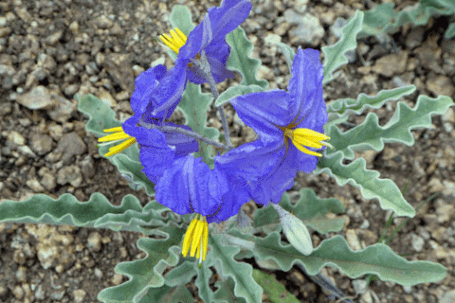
[19, 256]
[103, 22]
[98, 273]
[18, 292]
[46, 61]
[391, 64]
[79, 295]
[117, 279]
[360, 286]
[46, 255]
[5, 108]
[54, 38]
[63, 109]
[448, 297]
[38, 98]
[309, 30]
[352, 239]
[70, 174]
[417, 243]
[15, 137]
[94, 241]
[415, 37]
[445, 212]
[40, 293]
[21, 274]
[35, 185]
[26, 151]
[48, 181]
[71, 145]
[440, 85]
[41, 144]
[70, 90]
[87, 167]
[106, 97]
[300, 6]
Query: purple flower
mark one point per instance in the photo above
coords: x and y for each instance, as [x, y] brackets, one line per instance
[204, 48]
[290, 129]
[190, 186]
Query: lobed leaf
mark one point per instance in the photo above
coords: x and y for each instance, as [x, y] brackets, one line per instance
[180, 18]
[276, 291]
[194, 105]
[356, 174]
[145, 273]
[181, 274]
[450, 32]
[378, 259]
[240, 61]
[240, 272]
[334, 54]
[370, 135]
[236, 91]
[383, 19]
[101, 117]
[225, 292]
[288, 53]
[348, 105]
[310, 209]
[166, 294]
[96, 212]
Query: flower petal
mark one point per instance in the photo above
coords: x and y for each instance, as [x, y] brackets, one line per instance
[264, 112]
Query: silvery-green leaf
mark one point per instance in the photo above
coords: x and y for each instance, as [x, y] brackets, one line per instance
[235, 91]
[288, 53]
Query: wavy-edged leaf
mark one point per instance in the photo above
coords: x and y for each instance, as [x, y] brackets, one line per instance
[181, 274]
[288, 53]
[363, 101]
[334, 54]
[240, 61]
[311, 209]
[194, 105]
[96, 212]
[371, 187]
[383, 19]
[225, 292]
[378, 259]
[450, 31]
[145, 273]
[101, 116]
[236, 91]
[166, 294]
[202, 281]
[370, 135]
[226, 266]
[276, 291]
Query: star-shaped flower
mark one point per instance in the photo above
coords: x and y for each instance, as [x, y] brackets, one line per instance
[290, 129]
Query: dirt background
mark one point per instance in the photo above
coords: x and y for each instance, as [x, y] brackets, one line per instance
[50, 50]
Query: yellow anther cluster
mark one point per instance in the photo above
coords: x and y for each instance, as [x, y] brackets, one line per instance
[197, 236]
[175, 41]
[306, 137]
[118, 134]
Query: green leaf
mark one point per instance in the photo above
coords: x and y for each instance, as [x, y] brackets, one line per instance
[226, 266]
[194, 105]
[236, 91]
[334, 54]
[370, 135]
[101, 116]
[450, 32]
[239, 60]
[145, 273]
[275, 290]
[376, 259]
[341, 106]
[67, 210]
[288, 53]
[356, 174]
[181, 274]
[225, 292]
[203, 278]
[166, 294]
[310, 209]
[383, 19]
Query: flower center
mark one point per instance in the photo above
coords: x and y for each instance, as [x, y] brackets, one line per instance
[302, 137]
[175, 41]
[118, 135]
[197, 236]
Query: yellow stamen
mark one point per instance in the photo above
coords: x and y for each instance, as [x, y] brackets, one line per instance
[118, 134]
[306, 137]
[197, 236]
[176, 41]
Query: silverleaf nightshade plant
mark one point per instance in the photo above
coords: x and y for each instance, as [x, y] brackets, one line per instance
[199, 180]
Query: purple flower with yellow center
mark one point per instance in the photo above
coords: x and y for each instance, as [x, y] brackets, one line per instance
[158, 148]
[290, 128]
[190, 186]
[202, 54]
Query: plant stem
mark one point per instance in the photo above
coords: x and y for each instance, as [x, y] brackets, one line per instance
[189, 133]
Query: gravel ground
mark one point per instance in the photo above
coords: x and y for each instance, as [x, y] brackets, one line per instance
[50, 50]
